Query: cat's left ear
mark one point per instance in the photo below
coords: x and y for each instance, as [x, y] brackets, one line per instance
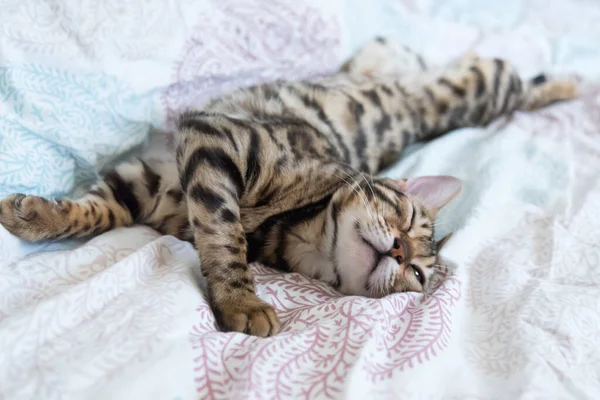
[433, 191]
[440, 243]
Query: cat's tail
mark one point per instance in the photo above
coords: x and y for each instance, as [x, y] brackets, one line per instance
[131, 193]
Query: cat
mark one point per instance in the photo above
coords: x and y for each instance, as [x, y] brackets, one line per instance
[282, 173]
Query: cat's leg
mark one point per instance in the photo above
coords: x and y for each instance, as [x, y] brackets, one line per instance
[235, 175]
[131, 193]
[477, 91]
[218, 170]
[471, 92]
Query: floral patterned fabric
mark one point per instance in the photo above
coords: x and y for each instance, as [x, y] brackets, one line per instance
[517, 310]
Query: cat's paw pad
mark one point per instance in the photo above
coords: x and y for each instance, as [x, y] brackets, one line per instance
[28, 217]
[250, 316]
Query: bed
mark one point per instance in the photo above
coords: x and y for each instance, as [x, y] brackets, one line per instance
[84, 84]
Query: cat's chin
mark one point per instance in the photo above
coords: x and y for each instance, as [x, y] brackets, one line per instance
[381, 280]
[357, 261]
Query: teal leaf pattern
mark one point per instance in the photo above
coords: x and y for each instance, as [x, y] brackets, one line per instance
[59, 128]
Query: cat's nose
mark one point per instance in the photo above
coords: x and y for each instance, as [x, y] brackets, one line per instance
[399, 250]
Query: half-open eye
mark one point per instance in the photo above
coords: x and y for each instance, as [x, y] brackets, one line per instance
[418, 274]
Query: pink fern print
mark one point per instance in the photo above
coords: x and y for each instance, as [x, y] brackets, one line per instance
[324, 336]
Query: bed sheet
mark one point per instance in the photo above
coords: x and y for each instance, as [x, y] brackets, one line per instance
[516, 315]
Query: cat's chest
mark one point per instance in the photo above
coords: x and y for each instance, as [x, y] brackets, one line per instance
[287, 251]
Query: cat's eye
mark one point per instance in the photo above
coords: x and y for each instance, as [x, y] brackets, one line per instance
[418, 274]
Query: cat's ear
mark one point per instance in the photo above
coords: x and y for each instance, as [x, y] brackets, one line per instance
[440, 243]
[433, 191]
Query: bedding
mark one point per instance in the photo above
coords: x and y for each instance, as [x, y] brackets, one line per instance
[517, 310]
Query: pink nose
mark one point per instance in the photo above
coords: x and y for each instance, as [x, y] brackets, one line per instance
[400, 250]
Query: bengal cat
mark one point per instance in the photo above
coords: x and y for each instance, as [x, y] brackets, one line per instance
[281, 173]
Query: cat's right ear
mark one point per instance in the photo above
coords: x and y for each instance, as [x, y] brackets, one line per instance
[433, 191]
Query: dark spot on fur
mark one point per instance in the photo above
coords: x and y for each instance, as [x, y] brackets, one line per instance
[480, 79]
[194, 120]
[152, 179]
[382, 125]
[478, 113]
[238, 266]
[456, 90]
[232, 249]
[228, 216]
[217, 159]
[237, 285]
[539, 79]
[246, 281]
[111, 219]
[123, 193]
[372, 96]
[253, 168]
[184, 229]
[231, 139]
[442, 107]
[211, 200]
[175, 194]
[387, 90]
[280, 164]
[64, 205]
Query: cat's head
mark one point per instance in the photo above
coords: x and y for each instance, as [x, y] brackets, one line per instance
[382, 240]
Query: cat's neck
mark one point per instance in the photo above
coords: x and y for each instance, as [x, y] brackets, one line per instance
[309, 247]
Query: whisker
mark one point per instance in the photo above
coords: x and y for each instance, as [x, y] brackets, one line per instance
[361, 195]
[369, 209]
[444, 220]
[351, 185]
[361, 174]
[440, 268]
[371, 187]
[365, 179]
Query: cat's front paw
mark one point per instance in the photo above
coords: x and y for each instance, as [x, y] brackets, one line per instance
[247, 314]
[30, 218]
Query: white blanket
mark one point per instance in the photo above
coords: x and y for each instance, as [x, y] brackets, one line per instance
[123, 315]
